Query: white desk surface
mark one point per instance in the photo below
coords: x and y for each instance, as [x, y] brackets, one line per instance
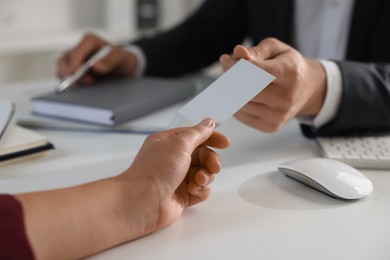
[254, 212]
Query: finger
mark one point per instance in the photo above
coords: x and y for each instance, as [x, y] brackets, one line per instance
[267, 49]
[63, 66]
[273, 96]
[198, 193]
[242, 52]
[109, 63]
[250, 120]
[88, 45]
[262, 118]
[86, 80]
[213, 163]
[280, 67]
[272, 115]
[227, 61]
[203, 178]
[218, 140]
[207, 158]
[210, 160]
[269, 55]
[275, 57]
[255, 56]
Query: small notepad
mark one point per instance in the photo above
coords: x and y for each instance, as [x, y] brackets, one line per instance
[20, 142]
[228, 93]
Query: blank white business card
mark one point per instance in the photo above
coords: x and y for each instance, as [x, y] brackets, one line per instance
[230, 92]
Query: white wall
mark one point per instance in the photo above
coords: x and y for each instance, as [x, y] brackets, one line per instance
[33, 33]
[31, 36]
[34, 15]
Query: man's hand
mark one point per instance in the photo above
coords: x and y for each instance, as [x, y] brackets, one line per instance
[118, 62]
[298, 90]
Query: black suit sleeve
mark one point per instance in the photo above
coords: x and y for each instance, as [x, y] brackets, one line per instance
[215, 28]
[365, 103]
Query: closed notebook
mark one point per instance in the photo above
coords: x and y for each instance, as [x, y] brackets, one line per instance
[19, 142]
[113, 102]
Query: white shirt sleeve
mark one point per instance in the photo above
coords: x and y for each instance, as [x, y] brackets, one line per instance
[332, 99]
[141, 59]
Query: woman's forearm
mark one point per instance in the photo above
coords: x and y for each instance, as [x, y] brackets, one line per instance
[79, 221]
[171, 172]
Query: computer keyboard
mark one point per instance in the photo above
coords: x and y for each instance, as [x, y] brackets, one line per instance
[365, 152]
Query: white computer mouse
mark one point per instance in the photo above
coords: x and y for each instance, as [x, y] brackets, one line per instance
[332, 177]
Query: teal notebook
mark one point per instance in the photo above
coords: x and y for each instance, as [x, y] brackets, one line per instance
[113, 102]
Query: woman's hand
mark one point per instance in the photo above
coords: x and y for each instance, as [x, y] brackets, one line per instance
[175, 168]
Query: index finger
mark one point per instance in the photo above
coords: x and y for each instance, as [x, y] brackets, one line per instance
[63, 65]
[217, 140]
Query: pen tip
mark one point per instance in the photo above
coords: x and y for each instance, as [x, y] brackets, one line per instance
[62, 86]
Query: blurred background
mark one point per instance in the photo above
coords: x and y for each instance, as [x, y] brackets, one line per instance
[33, 33]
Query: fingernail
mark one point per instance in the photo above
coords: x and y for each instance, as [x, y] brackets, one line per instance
[198, 189]
[208, 122]
[223, 58]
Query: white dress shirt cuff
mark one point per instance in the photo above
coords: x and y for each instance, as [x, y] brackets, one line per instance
[141, 59]
[332, 99]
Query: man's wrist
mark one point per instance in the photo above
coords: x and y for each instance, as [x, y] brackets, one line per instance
[332, 98]
[139, 55]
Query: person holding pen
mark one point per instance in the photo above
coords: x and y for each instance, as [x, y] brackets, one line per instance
[330, 59]
[172, 171]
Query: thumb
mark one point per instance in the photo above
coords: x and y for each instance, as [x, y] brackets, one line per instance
[268, 48]
[199, 133]
[242, 52]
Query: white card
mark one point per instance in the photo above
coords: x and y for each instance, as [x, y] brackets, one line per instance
[230, 92]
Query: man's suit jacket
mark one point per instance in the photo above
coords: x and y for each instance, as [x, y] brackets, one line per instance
[218, 25]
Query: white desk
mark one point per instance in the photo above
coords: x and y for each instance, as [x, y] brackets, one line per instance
[254, 211]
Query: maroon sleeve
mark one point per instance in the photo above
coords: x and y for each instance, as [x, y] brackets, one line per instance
[13, 239]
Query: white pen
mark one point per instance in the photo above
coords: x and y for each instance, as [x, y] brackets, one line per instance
[70, 80]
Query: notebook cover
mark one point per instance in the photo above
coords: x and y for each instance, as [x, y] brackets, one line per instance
[121, 99]
[21, 142]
